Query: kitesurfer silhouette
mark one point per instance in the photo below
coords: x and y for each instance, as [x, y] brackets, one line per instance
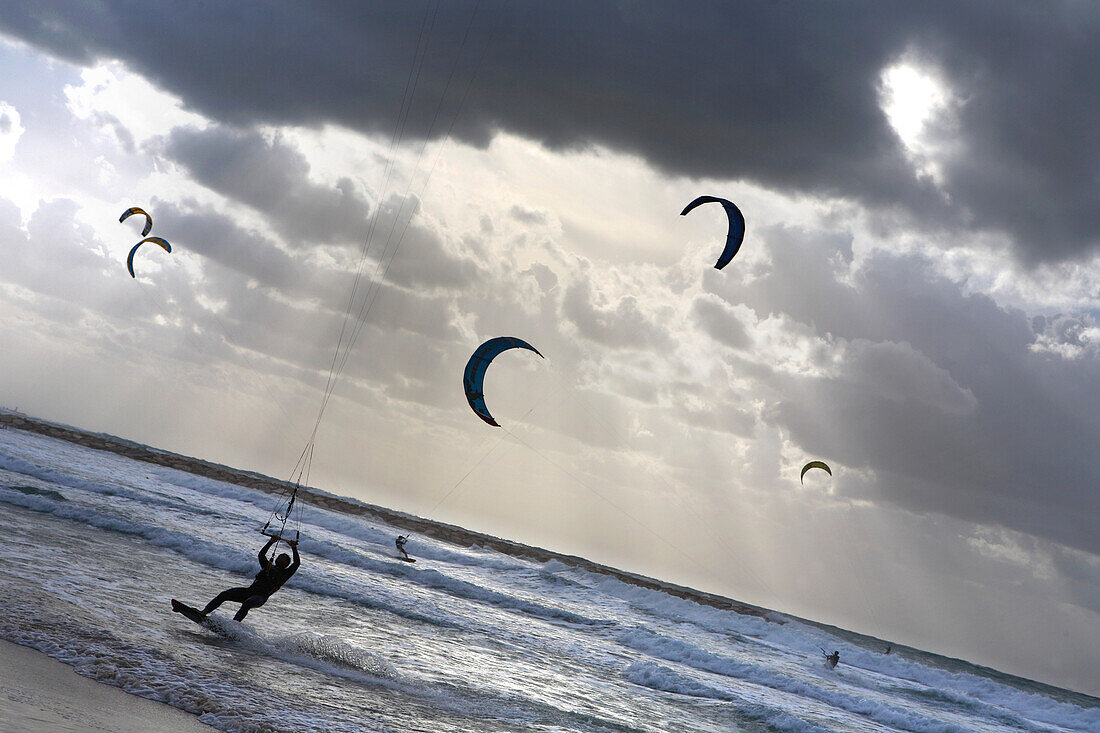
[400, 542]
[271, 577]
[831, 660]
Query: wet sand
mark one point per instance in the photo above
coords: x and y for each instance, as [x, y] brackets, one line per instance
[41, 694]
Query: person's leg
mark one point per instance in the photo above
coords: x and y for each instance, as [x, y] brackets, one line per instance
[237, 595]
[254, 601]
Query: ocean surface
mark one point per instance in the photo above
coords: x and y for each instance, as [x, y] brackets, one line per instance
[95, 545]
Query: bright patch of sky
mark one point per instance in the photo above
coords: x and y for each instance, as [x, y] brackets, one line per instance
[918, 104]
[110, 93]
[11, 129]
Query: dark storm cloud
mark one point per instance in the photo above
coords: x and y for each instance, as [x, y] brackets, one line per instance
[219, 238]
[618, 326]
[250, 259]
[273, 178]
[719, 321]
[784, 94]
[425, 260]
[1083, 575]
[303, 337]
[946, 395]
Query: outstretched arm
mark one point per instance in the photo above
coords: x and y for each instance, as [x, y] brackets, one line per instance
[297, 560]
[264, 562]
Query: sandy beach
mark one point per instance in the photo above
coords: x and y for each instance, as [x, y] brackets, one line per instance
[41, 694]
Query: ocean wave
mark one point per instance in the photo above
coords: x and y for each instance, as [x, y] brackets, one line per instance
[144, 671]
[361, 528]
[434, 579]
[673, 608]
[673, 650]
[477, 647]
[31, 490]
[322, 652]
[64, 479]
[658, 677]
[356, 528]
[234, 560]
[998, 701]
[337, 652]
[219, 556]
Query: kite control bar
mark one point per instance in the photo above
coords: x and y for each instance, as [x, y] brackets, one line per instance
[276, 536]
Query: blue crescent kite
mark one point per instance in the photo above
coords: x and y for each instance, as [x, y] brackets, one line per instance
[473, 379]
[736, 231]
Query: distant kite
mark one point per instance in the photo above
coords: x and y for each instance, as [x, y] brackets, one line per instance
[155, 240]
[814, 464]
[473, 379]
[736, 232]
[135, 210]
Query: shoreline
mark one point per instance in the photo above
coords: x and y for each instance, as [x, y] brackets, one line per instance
[452, 534]
[437, 530]
[38, 692]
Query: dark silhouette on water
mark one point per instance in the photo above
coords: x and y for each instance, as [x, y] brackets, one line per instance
[271, 577]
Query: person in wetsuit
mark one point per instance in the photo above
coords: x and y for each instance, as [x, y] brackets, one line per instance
[400, 542]
[271, 577]
[832, 659]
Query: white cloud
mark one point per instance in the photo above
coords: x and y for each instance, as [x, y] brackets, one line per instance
[11, 129]
[125, 104]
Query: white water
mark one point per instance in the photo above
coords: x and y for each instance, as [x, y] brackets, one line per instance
[464, 640]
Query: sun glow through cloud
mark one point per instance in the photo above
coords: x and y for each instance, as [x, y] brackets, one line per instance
[913, 99]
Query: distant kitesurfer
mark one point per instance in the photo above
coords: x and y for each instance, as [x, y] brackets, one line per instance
[271, 577]
[889, 647]
[831, 660]
[400, 542]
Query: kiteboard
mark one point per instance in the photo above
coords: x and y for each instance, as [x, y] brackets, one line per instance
[407, 559]
[192, 613]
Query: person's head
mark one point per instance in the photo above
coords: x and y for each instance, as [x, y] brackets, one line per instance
[282, 560]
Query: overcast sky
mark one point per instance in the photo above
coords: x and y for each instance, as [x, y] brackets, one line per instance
[915, 301]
